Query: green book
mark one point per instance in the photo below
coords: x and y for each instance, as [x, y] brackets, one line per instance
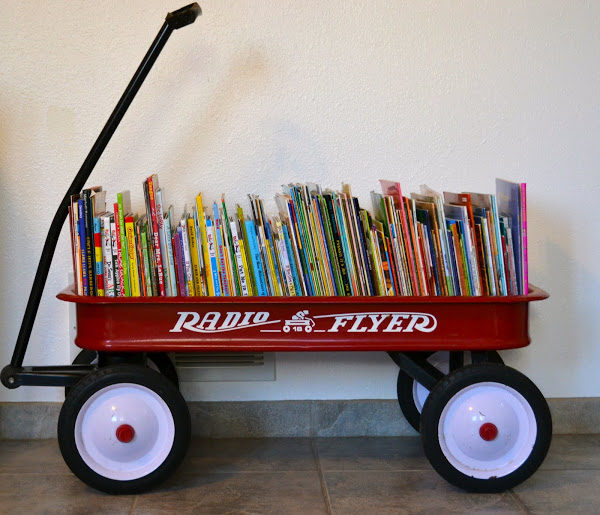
[124, 206]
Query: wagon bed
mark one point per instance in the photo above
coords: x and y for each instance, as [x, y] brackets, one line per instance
[251, 324]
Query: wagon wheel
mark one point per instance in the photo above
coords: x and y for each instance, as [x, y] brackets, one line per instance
[158, 361]
[486, 428]
[412, 394]
[123, 429]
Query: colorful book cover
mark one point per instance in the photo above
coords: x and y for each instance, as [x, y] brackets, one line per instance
[88, 224]
[131, 257]
[118, 275]
[212, 255]
[146, 259]
[524, 253]
[194, 257]
[124, 207]
[460, 213]
[203, 236]
[179, 264]
[239, 258]
[508, 195]
[220, 255]
[187, 258]
[152, 186]
[107, 255]
[170, 254]
[98, 259]
[144, 278]
[261, 284]
[84, 266]
[160, 219]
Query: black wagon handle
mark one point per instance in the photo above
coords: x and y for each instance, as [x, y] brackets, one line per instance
[173, 21]
[184, 16]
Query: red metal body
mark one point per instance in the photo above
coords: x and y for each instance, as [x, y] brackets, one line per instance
[180, 324]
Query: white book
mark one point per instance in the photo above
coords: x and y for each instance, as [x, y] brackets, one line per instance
[239, 261]
[187, 257]
[115, 255]
[107, 257]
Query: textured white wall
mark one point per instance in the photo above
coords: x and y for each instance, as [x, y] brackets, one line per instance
[256, 94]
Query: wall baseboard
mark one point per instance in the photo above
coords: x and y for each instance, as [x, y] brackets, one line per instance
[306, 418]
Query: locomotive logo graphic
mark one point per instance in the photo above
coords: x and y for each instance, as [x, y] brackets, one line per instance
[300, 322]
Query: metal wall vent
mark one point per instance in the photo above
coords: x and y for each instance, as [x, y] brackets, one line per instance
[227, 366]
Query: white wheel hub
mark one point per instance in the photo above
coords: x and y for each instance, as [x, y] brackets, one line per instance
[487, 430]
[124, 431]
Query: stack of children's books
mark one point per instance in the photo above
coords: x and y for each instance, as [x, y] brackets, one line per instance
[320, 243]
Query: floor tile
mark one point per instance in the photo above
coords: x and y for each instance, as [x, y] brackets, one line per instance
[46, 493]
[21, 456]
[379, 453]
[256, 492]
[573, 452]
[249, 455]
[408, 492]
[561, 491]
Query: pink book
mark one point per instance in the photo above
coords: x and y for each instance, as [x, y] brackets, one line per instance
[524, 257]
[393, 190]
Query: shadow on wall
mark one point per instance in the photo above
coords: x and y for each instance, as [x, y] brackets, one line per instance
[562, 327]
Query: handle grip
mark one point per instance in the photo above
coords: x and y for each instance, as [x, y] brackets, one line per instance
[184, 16]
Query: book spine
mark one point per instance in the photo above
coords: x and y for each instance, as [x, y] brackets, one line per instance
[219, 250]
[144, 279]
[500, 268]
[73, 233]
[256, 259]
[84, 270]
[155, 237]
[122, 239]
[204, 240]
[180, 267]
[146, 260]
[98, 260]
[194, 257]
[189, 275]
[131, 257]
[118, 274]
[107, 254]
[524, 253]
[160, 218]
[171, 256]
[212, 255]
[239, 258]
[89, 241]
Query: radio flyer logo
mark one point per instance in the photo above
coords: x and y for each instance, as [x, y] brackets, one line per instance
[300, 322]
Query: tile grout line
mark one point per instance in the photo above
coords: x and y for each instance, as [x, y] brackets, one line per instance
[133, 505]
[518, 500]
[324, 490]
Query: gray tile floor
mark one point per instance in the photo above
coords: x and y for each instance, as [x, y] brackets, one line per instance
[301, 475]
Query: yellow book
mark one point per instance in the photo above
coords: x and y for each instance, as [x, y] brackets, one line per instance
[133, 269]
[207, 264]
[195, 260]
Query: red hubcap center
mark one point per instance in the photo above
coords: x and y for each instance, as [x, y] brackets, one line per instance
[125, 433]
[488, 431]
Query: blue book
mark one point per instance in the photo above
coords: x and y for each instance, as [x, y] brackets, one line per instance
[292, 260]
[259, 274]
[212, 253]
[508, 195]
[84, 270]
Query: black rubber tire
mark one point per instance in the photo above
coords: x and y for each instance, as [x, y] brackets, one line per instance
[404, 389]
[457, 381]
[161, 361]
[100, 379]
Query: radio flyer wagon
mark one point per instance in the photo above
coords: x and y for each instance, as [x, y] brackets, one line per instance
[124, 425]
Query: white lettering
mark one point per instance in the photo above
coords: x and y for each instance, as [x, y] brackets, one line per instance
[231, 319]
[184, 323]
[423, 325]
[376, 322]
[395, 325]
[261, 316]
[355, 327]
[211, 318]
[340, 321]
[247, 316]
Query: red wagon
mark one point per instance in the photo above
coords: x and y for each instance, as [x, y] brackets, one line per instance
[124, 426]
